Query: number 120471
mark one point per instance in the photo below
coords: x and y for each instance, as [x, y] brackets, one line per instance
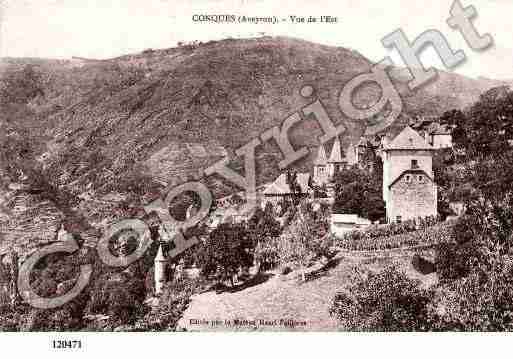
[67, 344]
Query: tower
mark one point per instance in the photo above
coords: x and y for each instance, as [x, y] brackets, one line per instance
[361, 149]
[320, 167]
[409, 190]
[335, 162]
[159, 271]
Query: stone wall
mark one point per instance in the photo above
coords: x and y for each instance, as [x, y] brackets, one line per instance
[397, 161]
[412, 199]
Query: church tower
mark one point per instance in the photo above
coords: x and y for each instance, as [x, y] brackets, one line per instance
[335, 162]
[409, 189]
[321, 167]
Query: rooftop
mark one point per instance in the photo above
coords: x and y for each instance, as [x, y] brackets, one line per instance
[321, 159]
[336, 153]
[280, 185]
[408, 139]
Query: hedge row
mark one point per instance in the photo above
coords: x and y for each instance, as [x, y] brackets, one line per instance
[392, 229]
[425, 236]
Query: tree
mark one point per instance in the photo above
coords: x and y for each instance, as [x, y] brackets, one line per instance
[457, 120]
[304, 240]
[359, 192]
[263, 224]
[487, 126]
[228, 248]
[295, 188]
[476, 302]
[264, 230]
[474, 265]
[446, 179]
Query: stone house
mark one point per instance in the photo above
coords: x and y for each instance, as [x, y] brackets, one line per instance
[280, 189]
[439, 136]
[409, 190]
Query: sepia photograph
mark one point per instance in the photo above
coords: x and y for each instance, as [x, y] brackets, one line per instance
[228, 166]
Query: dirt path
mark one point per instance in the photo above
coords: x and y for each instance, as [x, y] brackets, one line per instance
[279, 299]
[276, 301]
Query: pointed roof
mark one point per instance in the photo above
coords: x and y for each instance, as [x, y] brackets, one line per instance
[408, 139]
[336, 155]
[321, 157]
[160, 255]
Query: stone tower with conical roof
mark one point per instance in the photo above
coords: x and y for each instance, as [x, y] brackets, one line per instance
[320, 176]
[159, 271]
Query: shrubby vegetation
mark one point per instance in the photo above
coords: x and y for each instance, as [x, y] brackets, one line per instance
[265, 231]
[305, 239]
[267, 254]
[384, 301]
[377, 232]
[173, 302]
[113, 300]
[430, 235]
[473, 260]
[227, 250]
[360, 192]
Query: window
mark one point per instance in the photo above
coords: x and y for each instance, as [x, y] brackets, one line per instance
[421, 178]
[408, 178]
[414, 164]
[398, 219]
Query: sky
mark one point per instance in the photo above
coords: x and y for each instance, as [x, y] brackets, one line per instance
[109, 28]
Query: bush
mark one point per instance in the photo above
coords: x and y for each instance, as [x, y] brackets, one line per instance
[10, 319]
[476, 302]
[267, 254]
[475, 268]
[118, 295]
[173, 302]
[304, 240]
[373, 239]
[478, 240]
[381, 231]
[386, 301]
